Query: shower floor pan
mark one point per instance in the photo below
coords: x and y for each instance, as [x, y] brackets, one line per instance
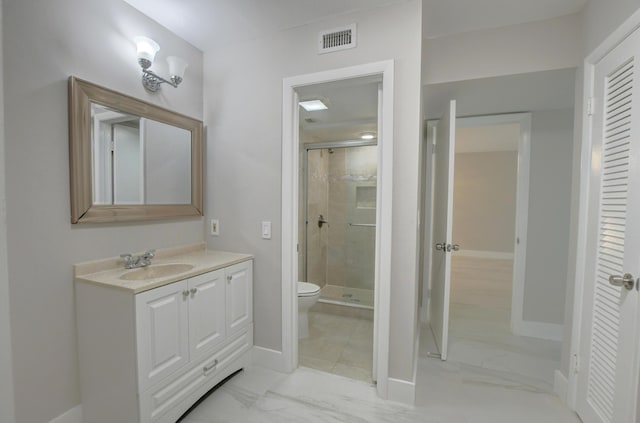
[352, 297]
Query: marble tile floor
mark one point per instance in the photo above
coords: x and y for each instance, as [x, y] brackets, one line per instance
[446, 393]
[337, 344]
[487, 380]
[479, 328]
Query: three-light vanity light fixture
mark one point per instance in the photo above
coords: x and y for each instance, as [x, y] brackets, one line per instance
[147, 49]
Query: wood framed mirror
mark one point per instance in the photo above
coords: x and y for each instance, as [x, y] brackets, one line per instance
[129, 159]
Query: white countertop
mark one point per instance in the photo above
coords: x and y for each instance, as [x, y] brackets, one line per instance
[108, 272]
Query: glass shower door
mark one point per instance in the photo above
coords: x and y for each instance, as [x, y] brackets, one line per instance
[341, 227]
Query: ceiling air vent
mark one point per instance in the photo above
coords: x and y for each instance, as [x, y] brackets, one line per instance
[337, 39]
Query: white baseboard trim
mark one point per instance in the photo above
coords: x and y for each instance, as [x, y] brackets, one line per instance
[560, 385]
[72, 416]
[500, 255]
[268, 358]
[540, 330]
[401, 391]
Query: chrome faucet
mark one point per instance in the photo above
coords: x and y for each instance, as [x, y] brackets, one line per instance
[133, 262]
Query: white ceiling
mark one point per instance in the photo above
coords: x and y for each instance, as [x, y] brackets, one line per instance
[353, 109]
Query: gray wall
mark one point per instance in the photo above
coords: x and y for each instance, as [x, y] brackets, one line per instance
[508, 50]
[602, 17]
[7, 414]
[244, 160]
[167, 151]
[44, 43]
[484, 200]
[549, 214]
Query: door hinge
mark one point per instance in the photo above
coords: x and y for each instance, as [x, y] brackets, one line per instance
[576, 363]
[590, 105]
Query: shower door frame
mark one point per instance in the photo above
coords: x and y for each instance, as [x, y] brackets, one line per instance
[305, 180]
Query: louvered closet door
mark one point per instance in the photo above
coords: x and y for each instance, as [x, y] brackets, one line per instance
[608, 361]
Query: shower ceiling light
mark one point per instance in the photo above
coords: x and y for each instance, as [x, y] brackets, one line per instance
[313, 105]
[368, 136]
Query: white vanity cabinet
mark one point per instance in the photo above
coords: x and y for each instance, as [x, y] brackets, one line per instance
[179, 322]
[148, 357]
[239, 298]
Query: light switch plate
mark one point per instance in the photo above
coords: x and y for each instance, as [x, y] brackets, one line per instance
[215, 227]
[266, 230]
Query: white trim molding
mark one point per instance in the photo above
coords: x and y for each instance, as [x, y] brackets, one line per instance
[401, 391]
[290, 194]
[268, 358]
[496, 255]
[560, 385]
[541, 330]
[71, 416]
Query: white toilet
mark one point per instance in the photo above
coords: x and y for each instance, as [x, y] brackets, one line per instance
[308, 294]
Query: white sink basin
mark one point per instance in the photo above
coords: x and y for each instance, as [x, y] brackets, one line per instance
[156, 271]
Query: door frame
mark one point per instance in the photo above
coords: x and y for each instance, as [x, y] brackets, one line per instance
[612, 41]
[290, 197]
[7, 410]
[518, 325]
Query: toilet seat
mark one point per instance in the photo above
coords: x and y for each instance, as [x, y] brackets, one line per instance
[306, 289]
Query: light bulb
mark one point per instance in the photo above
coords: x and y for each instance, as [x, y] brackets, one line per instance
[177, 67]
[147, 49]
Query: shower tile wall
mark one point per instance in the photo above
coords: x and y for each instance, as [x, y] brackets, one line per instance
[317, 199]
[351, 250]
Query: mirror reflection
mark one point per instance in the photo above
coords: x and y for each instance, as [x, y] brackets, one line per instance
[136, 160]
[129, 159]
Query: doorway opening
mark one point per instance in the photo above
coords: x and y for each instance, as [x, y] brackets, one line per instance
[490, 214]
[337, 227]
[479, 318]
[295, 90]
[487, 273]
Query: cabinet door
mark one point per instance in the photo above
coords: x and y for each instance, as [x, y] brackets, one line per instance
[206, 313]
[239, 296]
[162, 328]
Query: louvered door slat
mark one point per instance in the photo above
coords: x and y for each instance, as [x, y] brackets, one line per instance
[612, 225]
[620, 143]
[607, 384]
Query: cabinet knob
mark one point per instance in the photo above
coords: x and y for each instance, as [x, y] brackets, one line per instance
[185, 293]
[229, 278]
[193, 291]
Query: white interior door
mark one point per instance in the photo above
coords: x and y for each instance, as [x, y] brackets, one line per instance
[608, 376]
[444, 156]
